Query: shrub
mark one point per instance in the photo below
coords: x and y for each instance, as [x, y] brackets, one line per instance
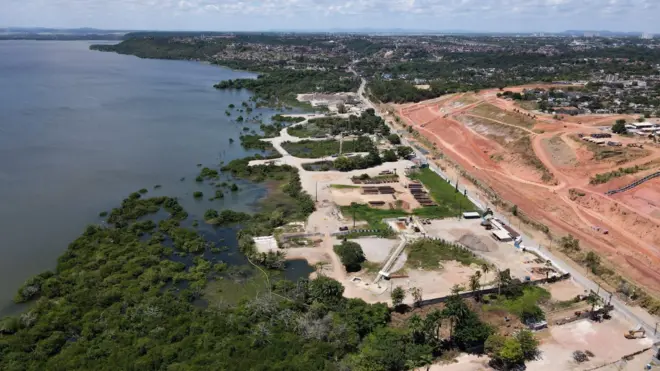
[198, 194]
[351, 255]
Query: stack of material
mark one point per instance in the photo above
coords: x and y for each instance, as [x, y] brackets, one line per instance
[476, 243]
[386, 190]
[376, 203]
[369, 190]
[420, 194]
[383, 190]
[383, 179]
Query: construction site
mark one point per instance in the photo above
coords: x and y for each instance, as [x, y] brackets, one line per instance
[571, 175]
[418, 232]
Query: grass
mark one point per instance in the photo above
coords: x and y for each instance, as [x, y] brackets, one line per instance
[529, 105]
[374, 217]
[343, 186]
[309, 130]
[226, 291]
[523, 306]
[492, 112]
[323, 148]
[606, 177]
[450, 203]
[523, 146]
[429, 254]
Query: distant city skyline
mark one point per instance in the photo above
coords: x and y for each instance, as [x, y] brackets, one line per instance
[236, 15]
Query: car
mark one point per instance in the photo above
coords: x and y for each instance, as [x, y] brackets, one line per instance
[344, 228]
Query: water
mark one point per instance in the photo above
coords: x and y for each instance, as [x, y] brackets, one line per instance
[80, 130]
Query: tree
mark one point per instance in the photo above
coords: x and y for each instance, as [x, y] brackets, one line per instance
[510, 353]
[619, 127]
[341, 108]
[351, 255]
[475, 283]
[394, 139]
[343, 163]
[404, 151]
[325, 290]
[417, 296]
[593, 299]
[485, 267]
[592, 261]
[528, 343]
[398, 294]
[388, 349]
[494, 344]
[389, 155]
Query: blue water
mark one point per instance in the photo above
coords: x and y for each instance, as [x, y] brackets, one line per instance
[81, 129]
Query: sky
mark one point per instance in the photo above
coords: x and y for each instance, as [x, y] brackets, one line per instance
[264, 15]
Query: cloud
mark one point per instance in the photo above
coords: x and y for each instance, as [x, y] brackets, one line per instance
[495, 15]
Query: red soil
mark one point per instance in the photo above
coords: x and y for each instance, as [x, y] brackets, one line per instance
[632, 218]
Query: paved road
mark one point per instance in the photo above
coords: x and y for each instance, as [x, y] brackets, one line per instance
[577, 276]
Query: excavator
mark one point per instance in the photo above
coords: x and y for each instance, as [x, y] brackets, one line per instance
[636, 333]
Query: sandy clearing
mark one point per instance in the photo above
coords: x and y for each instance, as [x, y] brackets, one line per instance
[376, 249]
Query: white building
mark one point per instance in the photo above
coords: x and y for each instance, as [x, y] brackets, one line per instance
[643, 125]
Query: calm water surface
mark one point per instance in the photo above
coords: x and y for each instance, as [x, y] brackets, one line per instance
[80, 130]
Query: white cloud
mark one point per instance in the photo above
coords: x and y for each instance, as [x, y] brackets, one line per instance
[494, 15]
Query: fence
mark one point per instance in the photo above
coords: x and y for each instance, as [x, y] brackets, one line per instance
[492, 290]
[289, 236]
[351, 231]
[633, 184]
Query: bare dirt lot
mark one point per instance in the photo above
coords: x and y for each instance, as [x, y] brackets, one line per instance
[503, 254]
[469, 130]
[605, 340]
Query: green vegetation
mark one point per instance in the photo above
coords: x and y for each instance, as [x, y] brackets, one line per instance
[509, 352]
[400, 91]
[523, 302]
[198, 194]
[374, 217]
[103, 214]
[394, 139]
[324, 148]
[122, 308]
[397, 296]
[344, 186]
[450, 201]
[367, 123]
[351, 255]
[207, 173]
[523, 146]
[497, 114]
[286, 119]
[280, 87]
[622, 171]
[619, 127]
[143, 191]
[429, 254]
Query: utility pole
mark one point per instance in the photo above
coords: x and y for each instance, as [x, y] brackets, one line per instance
[341, 142]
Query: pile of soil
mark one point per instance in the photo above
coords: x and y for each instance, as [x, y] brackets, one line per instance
[476, 243]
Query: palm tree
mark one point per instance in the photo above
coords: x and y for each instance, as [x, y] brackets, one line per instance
[548, 264]
[474, 283]
[485, 268]
[593, 299]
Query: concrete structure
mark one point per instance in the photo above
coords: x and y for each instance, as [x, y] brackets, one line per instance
[502, 235]
[265, 243]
